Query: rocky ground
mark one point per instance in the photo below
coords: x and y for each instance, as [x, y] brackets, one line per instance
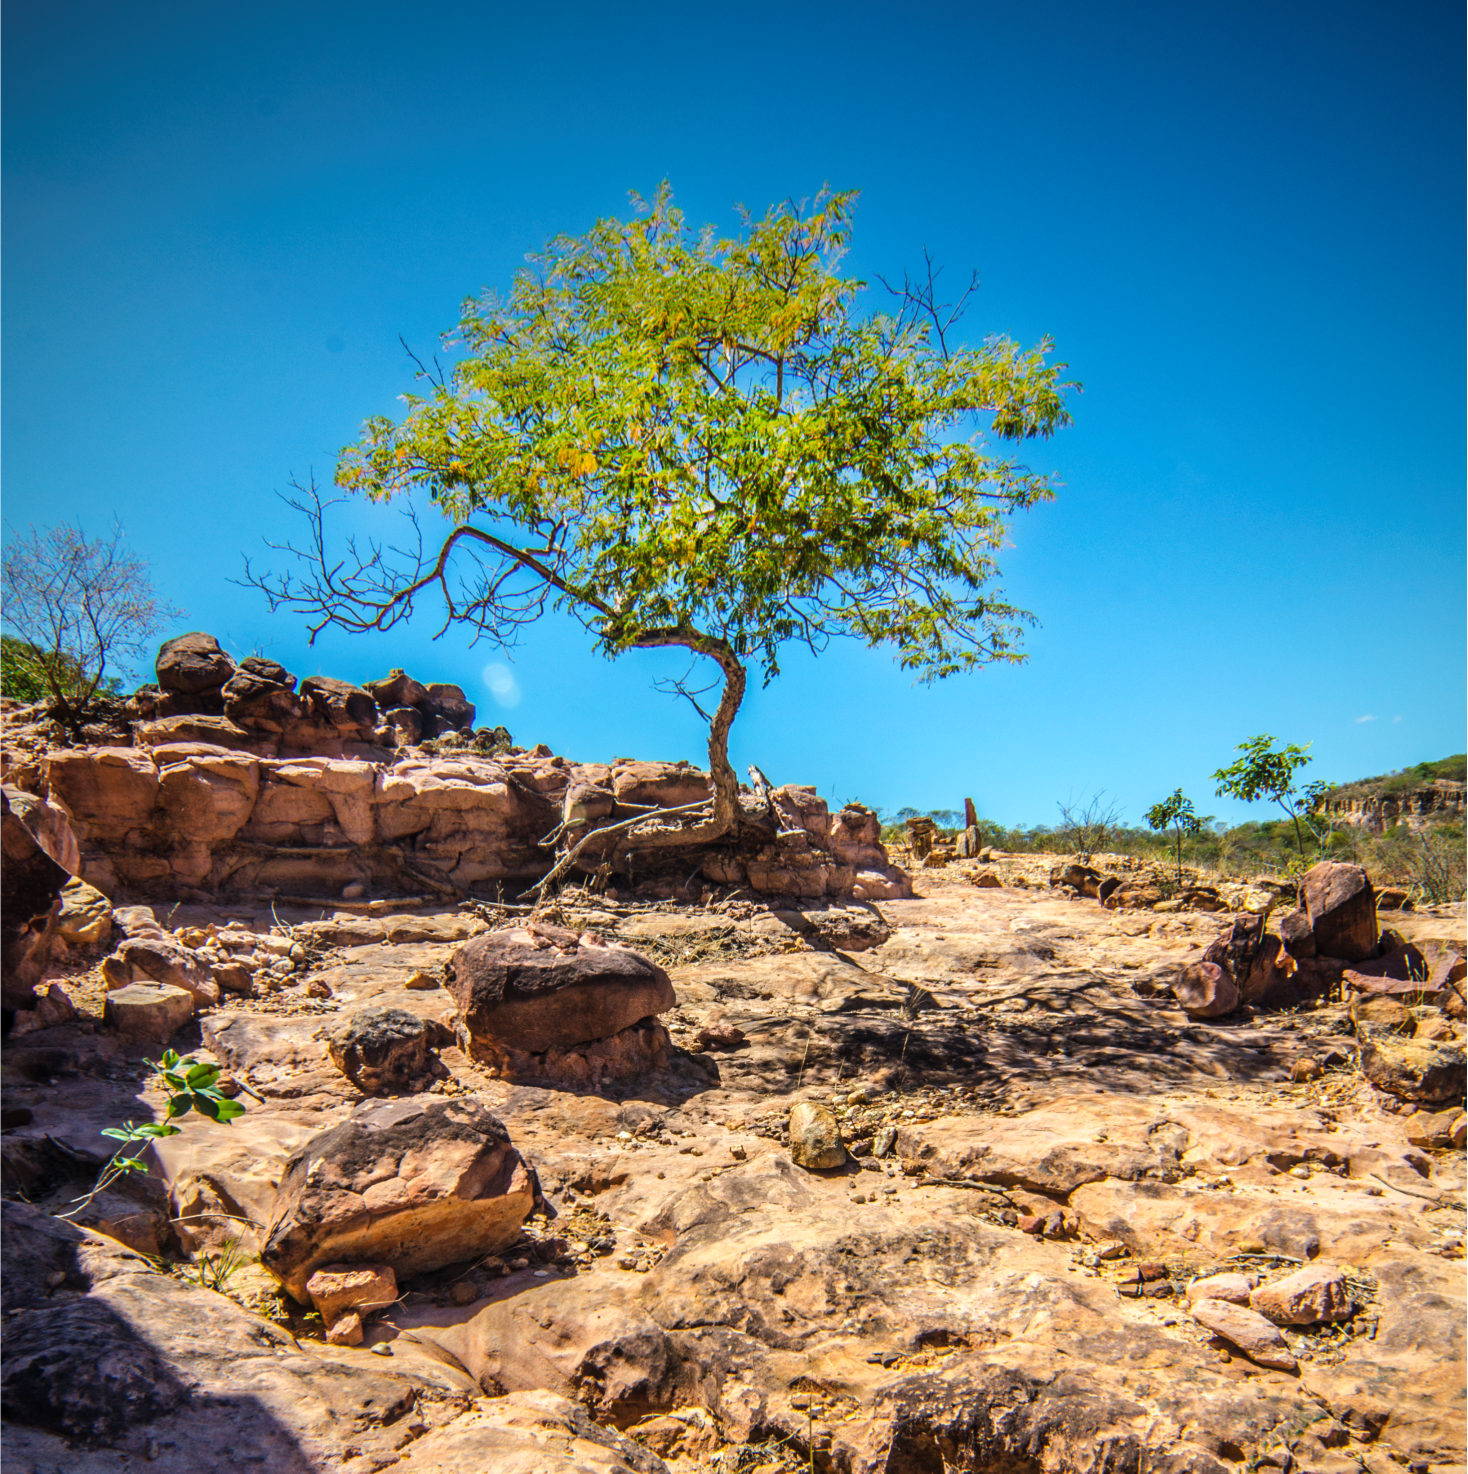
[1042, 1153]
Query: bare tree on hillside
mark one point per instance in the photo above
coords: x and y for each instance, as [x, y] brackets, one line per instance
[79, 608]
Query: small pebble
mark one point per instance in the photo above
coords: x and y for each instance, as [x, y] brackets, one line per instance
[381, 1348]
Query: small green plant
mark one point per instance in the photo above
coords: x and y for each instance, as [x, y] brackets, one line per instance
[213, 1271]
[191, 1086]
[1264, 773]
[1177, 812]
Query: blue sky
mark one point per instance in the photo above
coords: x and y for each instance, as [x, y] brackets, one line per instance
[1242, 224]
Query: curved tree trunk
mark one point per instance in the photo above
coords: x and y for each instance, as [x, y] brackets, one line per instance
[726, 785]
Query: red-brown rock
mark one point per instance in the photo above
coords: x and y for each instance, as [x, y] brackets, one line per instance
[1342, 909]
[1205, 990]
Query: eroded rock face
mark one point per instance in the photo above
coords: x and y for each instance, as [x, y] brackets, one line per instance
[538, 988]
[415, 1184]
[34, 874]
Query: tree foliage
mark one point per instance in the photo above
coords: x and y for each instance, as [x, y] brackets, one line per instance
[1177, 812]
[685, 439]
[1264, 772]
[75, 608]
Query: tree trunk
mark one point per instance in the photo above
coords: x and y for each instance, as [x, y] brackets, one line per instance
[726, 786]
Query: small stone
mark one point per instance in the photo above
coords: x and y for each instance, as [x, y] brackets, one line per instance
[815, 1137]
[1235, 1288]
[519, 1264]
[1306, 1069]
[1256, 1337]
[739, 1153]
[421, 981]
[1318, 1292]
[463, 1292]
[337, 1288]
[346, 1330]
[381, 1348]
[885, 1142]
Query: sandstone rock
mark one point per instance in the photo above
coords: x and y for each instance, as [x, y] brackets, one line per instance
[987, 880]
[339, 704]
[108, 791]
[111, 1365]
[1205, 990]
[337, 1288]
[1342, 909]
[383, 1049]
[345, 1329]
[1315, 1293]
[170, 963]
[31, 882]
[815, 1137]
[1235, 949]
[1271, 979]
[148, 1010]
[664, 785]
[585, 802]
[1429, 1129]
[51, 1007]
[193, 665]
[528, 1433]
[538, 988]
[449, 704]
[414, 1184]
[1297, 934]
[86, 915]
[1256, 1337]
[398, 690]
[1414, 1070]
[1235, 1288]
[261, 694]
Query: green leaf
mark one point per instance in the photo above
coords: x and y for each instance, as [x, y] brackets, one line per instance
[121, 1133]
[228, 1110]
[206, 1106]
[179, 1105]
[201, 1076]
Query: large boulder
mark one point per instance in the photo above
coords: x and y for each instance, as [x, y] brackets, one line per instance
[1342, 908]
[398, 689]
[537, 988]
[339, 703]
[261, 694]
[193, 665]
[449, 705]
[415, 1184]
[1235, 949]
[661, 785]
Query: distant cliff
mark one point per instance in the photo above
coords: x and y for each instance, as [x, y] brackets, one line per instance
[1419, 797]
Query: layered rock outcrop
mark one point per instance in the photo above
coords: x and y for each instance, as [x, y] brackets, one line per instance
[236, 782]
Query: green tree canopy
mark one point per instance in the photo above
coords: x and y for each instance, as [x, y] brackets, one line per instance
[686, 439]
[1264, 772]
[1177, 811]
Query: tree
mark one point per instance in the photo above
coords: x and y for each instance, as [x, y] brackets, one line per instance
[1177, 811]
[1264, 773]
[74, 607]
[1086, 825]
[683, 440]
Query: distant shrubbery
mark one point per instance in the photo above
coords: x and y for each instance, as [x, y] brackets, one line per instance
[1428, 862]
[1420, 775]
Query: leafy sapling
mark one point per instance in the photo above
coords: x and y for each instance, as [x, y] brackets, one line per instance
[191, 1085]
[1264, 773]
[1175, 811]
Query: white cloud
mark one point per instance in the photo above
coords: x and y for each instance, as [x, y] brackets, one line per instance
[503, 686]
[1396, 719]
[1359, 720]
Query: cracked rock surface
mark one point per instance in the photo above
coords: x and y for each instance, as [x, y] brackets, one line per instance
[1042, 1152]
